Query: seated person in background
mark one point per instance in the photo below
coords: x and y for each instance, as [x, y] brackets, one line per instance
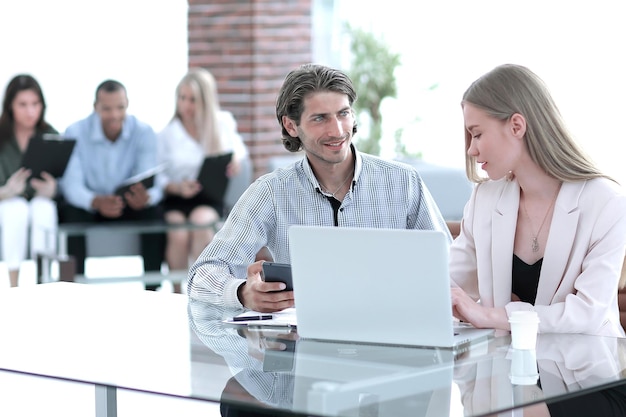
[546, 231]
[111, 147]
[24, 203]
[333, 185]
[198, 129]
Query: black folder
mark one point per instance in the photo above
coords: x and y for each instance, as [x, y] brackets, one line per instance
[146, 178]
[212, 177]
[50, 153]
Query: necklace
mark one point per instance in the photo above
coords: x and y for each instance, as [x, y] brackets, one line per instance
[326, 190]
[534, 244]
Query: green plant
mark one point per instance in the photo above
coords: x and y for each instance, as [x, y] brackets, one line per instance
[401, 149]
[372, 72]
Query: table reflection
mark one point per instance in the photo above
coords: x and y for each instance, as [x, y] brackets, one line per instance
[273, 371]
[566, 364]
[244, 351]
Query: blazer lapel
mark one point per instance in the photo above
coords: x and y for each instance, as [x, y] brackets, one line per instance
[560, 240]
[504, 220]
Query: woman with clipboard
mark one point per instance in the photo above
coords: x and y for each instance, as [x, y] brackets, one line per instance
[25, 203]
[199, 129]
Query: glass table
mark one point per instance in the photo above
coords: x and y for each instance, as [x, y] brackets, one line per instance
[272, 368]
[116, 339]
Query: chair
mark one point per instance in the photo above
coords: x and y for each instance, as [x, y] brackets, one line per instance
[449, 187]
[621, 296]
[455, 227]
[237, 185]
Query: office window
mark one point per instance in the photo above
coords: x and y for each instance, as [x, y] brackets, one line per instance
[445, 45]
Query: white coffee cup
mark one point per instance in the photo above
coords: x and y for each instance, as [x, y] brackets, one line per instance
[523, 367]
[524, 327]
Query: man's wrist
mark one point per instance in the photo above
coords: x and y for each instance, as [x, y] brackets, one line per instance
[239, 293]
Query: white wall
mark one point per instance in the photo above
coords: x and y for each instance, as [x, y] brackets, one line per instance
[70, 46]
[576, 47]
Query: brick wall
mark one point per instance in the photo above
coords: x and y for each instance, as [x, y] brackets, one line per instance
[249, 46]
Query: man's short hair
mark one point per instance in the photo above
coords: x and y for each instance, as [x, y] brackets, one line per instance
[109, 86]
[299, 83]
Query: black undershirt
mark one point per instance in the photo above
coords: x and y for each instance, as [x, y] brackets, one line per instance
[336, 204]
[526, 279]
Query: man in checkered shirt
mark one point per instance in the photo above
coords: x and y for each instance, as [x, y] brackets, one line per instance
[333, 185]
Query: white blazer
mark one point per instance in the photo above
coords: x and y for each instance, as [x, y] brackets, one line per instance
[577, 290]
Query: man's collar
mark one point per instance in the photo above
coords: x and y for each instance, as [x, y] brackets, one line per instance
[356, 157]
[98, 131]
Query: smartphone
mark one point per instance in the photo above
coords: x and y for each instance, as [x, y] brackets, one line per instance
[277, 272]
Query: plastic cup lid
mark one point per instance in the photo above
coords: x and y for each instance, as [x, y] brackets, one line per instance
[524, 379]
[523, 316]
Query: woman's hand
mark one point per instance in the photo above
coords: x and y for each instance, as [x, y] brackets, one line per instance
[461, 304]
[466, 309]
[188, 188]
[45, 187]
[16, 184]
[233, 167]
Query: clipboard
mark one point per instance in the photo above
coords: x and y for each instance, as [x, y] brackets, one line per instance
[146, 178]
[212, 177]
[49, 153]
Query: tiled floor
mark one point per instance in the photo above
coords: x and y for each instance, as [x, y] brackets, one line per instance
[28, 396]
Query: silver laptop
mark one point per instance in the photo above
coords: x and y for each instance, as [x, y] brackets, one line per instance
[368, 285]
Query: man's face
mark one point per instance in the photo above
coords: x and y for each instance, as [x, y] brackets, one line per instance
[111, 107]
[325, 127]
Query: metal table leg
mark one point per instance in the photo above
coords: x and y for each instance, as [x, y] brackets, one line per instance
[106, 401]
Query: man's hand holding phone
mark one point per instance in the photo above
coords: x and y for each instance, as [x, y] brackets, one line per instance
[277, 272]
[262, 296]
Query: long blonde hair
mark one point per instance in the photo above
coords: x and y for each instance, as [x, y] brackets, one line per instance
[204, 88]
[509, 89]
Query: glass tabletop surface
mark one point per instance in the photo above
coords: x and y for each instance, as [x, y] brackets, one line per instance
[165, 344]
[273, 368]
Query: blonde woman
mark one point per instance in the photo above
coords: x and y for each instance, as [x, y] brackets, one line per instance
[546, 230]
[198, 129]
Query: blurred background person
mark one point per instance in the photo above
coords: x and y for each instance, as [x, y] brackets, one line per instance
[25, 202]
[111, 147]
[198, 129]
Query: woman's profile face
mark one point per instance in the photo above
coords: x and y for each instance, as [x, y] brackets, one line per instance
[186, 104]
[27, 108]
[493, 144]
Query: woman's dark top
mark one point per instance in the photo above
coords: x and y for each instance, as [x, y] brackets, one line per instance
[608, 402]
[11, 159]
[526, 279]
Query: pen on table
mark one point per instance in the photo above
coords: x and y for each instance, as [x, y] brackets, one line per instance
[249, 318]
